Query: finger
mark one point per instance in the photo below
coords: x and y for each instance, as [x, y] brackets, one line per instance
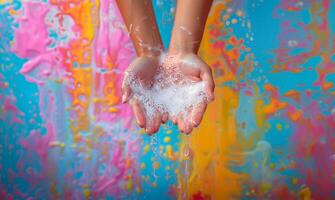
[126, 90]
[149, 126]
[197, 114]
[157, 121]
[207, 77]
[188, 125]
[138, 112]
[153, 123]
[165, 117]
[174, 120]
[181, 124]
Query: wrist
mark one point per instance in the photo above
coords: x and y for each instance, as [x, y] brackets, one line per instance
[183, 41]
[150, 51]
[177, 48]
[181, 51]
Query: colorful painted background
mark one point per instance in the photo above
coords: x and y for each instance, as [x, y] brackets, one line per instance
[269, 134]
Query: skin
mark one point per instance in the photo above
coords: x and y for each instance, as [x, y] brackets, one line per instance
[140, 21]
[195, 69]
[190, 20]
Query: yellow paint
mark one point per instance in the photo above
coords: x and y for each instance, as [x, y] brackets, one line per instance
[129, 185]
[167, 139]
[12, 11]
[239, 13]
[169, 153]
[86, 17]
[265, 187]
[82, 82]
[143, 166]
[212, 144]
[294, 181]
[305, 193]
[272, 166]
[217, 143]
[86, 191]
[279, 127]
[146, 149]
[5, 1]
[234, 21]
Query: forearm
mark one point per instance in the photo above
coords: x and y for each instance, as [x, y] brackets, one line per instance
[140, 20]
[189, 25]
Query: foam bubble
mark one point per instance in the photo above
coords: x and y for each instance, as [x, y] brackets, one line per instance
[170, 91]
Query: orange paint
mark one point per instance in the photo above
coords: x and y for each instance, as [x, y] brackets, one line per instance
[293, 94]
[295, 114]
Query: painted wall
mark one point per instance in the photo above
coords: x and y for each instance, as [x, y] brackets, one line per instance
[270, 133]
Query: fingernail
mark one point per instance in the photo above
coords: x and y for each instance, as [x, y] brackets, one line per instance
[194, 123]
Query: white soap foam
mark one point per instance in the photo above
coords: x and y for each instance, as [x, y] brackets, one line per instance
[171, 92]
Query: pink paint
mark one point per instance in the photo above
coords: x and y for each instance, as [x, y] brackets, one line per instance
[32, 41]
[248, 93]
[107, 182]
[9, 109]
[32, 37]
[112, 46]
[112, 52]
[10, 197]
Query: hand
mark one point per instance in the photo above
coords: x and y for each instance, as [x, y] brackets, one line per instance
[143, 70]
[195, 69]
[148, 86]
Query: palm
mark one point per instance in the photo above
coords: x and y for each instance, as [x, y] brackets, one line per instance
[143, 69]
[169, 91]
[193, 69]
[140, 72]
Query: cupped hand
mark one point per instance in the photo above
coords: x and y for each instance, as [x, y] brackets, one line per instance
[195, 69]
[142, 69]
[151, 105]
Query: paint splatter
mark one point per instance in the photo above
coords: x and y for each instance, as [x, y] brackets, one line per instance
[66, 135]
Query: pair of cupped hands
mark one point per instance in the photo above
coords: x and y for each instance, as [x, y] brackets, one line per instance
[145, 67]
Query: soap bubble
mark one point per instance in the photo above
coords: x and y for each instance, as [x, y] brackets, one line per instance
[170, 92]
